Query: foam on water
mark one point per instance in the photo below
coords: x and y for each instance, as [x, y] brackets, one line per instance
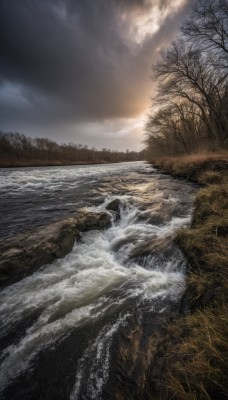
[84, 286]
[95, 362]
[30, 197]
[108, 280]
[54, 178]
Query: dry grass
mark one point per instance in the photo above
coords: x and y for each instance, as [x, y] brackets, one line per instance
[192, 166]
[197, 367]
[211, 178]
[192, 159]
[194, 348]
[211, 204]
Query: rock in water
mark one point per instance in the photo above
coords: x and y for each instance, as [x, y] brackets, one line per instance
[114, 206]
[23, 254]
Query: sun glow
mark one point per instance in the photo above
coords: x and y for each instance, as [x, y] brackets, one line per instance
[145, 25]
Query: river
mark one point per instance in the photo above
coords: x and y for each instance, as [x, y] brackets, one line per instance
[62, 327]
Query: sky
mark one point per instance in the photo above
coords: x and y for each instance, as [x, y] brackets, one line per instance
[79, 70]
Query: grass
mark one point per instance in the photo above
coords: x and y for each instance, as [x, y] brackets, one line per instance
[186, 161]
[193, 351]
[196, 368]
[193, 165]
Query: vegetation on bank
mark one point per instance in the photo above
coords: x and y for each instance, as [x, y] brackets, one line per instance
[18, 150]
[189, 111]
[187, 136]
[193, 349]
[192, 166]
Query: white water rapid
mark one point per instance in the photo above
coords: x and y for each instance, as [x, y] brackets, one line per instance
[79, 302]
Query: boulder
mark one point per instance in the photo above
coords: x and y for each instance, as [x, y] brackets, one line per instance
[114, 206]
[24, 253]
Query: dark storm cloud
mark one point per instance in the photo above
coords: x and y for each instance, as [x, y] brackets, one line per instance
[71, 60]
[66, 49]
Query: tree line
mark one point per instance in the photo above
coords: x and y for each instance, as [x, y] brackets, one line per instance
[189, 111]
[17, 148]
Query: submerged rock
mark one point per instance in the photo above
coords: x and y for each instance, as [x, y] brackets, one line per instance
[22, 254]
[114, 206]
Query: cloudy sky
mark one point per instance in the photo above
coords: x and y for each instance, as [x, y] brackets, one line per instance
[78, 70]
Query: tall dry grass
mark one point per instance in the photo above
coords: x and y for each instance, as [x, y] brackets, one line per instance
[194, 350]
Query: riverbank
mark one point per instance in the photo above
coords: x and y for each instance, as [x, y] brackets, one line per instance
[192, 166]
[191, 352]
[48, 163]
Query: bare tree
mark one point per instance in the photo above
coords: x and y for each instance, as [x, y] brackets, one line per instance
[191, 103]
[184, 73]
[208, 26]
[16, 147]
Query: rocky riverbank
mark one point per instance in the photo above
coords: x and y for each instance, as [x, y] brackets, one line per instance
[23, 254]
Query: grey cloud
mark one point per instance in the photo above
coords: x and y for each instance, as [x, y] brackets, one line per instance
[73, 61]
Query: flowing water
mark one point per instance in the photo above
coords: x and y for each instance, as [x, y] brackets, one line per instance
[61, 326]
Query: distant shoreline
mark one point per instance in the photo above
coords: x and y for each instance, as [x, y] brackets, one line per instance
[18, 150]
[39, 163]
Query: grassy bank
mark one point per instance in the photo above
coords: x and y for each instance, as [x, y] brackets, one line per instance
[192, 354]
[192, 166]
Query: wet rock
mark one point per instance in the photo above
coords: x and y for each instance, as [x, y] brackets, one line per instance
[91, 221]
[153, 246]
[23, 254]
[114, 206]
